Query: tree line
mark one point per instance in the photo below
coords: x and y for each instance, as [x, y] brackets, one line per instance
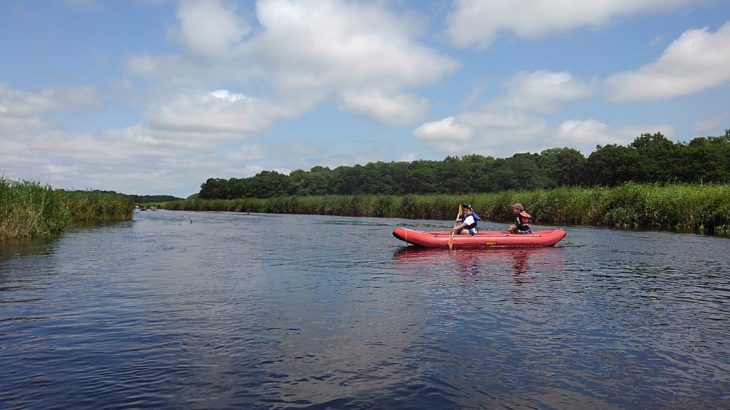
[650, 158]
[143, 199]
[137, 199]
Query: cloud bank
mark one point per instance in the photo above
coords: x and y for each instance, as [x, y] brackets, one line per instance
[697, 60]
[515, 122]
[477, 23]
[300, 53]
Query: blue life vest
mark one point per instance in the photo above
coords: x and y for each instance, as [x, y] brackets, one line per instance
[476, 219]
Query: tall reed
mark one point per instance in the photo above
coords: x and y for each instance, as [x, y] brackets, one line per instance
[683, 208]
[94, 206]
[29, 209]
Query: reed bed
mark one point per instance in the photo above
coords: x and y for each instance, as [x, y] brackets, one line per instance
[701, 209]
[31, 210]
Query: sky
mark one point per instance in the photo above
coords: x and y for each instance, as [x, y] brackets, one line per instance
[156, 96]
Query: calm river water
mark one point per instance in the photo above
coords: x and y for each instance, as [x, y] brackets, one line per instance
[227, 310]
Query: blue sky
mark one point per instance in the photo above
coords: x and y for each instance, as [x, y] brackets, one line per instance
[156, 96]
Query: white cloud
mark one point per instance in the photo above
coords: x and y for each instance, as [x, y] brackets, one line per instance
[446, 129]
[477, 23]
[113, 147]
[507, 121]
[223, 113]
[481, 131]
[544, 90]
[582, 132]
[586, 134]
[18, 103]
[56, 170]
[14, 126]
[394, 110]
[247, 152]
[507, 124]
[336, 43]
[697, 60]
[23, 112]
[303, 51]
[504, 126]
[515, 122]
[502, 133]
[125, 160]
[146, 141]
[209, 28]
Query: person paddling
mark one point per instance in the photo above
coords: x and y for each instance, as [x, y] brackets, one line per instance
[468, 221]
[521, 219]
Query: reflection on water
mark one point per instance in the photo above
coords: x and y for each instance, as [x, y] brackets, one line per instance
[22, 248]
[472, 265]
[517, 260]
[260, 311]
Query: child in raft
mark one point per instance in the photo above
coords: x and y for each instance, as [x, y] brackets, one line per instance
[521, 220]
[469, 221]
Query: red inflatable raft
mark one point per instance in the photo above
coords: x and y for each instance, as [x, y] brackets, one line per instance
[483, 240]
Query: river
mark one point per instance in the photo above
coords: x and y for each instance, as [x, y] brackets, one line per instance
[230, 310]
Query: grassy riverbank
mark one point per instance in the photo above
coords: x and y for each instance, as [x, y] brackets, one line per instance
[30, 210]
[682, 208]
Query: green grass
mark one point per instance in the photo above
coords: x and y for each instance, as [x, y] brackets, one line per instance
[31, 210]
[680, 208]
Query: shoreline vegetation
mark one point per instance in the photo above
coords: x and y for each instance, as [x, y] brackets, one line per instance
[652, 183]
[698, 208]
[31, 210]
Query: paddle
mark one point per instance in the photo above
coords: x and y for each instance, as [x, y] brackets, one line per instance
[458, 219]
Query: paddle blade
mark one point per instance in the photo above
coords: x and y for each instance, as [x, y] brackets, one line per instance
[458, 217]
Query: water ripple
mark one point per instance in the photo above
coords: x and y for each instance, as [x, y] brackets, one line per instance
[260, 311]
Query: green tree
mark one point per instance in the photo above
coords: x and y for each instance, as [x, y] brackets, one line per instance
[708, 160]
[266, 184]
[214, 188]
[612, 165]
[563, 166]
[649, 158]
[449, 176]
[660, 159]
[421, 180]
[524, 173]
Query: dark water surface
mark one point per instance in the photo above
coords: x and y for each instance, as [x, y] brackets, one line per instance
[266, 311]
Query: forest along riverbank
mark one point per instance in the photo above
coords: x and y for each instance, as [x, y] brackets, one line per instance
[703, 209]
[31, 210]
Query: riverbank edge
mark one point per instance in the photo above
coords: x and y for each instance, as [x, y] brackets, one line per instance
[29, 210]
[702, 209]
